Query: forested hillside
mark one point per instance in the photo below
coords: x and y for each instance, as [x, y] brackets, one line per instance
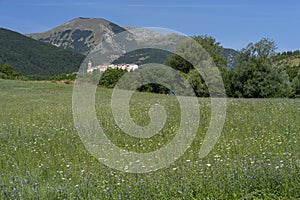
[31, 57]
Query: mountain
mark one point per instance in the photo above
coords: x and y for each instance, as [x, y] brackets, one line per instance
[86, 35]
[231, 57]
[80, 34]
[31, 57]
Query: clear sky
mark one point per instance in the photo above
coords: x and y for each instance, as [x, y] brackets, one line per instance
[234, 23]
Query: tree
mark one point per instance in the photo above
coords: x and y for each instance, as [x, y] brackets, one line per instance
[211, 51]
[110, 77]
[179, 63]
[198, 84]
[296, 85]
[213, 48]
[7, 72]
[227, 76]
[263, 49]
[256, 76]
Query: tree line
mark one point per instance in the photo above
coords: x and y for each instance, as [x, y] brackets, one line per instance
[7, 72]
[260, 72]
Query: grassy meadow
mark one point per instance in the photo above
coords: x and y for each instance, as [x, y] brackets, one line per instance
[42, 156]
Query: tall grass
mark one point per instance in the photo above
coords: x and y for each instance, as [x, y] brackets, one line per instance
[42, 157]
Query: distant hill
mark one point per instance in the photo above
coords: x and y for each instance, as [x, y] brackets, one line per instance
[80, 34]
[85, 35]
[231, 57]
[289, 62]
[289, 58]
[31, 57]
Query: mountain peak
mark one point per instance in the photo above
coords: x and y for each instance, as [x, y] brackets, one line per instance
[80, 34]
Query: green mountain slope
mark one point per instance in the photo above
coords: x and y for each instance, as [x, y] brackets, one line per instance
[31, 57]
[144, 56]
[290, 58]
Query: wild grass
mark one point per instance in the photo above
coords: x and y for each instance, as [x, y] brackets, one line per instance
[42, 156]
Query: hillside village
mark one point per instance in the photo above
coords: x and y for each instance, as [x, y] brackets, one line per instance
[103, 68]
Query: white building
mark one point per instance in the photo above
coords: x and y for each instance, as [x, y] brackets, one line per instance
[103, 68]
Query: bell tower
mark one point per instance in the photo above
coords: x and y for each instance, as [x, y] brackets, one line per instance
[89, 65]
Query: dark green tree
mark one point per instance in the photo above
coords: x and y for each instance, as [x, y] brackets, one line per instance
[256, 76]
[296, 85]
[7, 72]
[209, 44]
[110, 77]
[211, 50]
[179, 63]
[227, 76]
[198, 84]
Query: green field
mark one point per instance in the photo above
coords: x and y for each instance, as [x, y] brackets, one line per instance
[42, 156]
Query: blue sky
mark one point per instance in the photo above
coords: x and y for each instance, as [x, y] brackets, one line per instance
[234, 23]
